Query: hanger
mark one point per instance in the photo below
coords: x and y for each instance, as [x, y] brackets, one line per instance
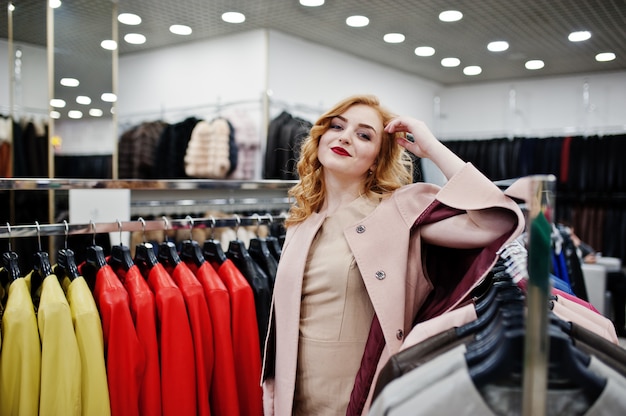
[10, 261]
[503, 297]
[567, 360]
[260, 253]
[168, 254]
[120, 254]
[41, 265]
[190, 250]
[212, 249]
[499, 357]
[66, 261]
[145, 257]
[94, 255]
[272, 241]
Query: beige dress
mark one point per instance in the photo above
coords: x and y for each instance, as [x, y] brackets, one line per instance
[335, 318]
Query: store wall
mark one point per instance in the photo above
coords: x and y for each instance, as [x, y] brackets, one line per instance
[189, 78]
[583, 104]
[303, 74]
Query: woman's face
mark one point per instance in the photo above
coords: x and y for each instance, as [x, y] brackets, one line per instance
[350, 146]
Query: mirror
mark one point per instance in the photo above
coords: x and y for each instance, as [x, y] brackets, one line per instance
[84, 117]
[56, 82]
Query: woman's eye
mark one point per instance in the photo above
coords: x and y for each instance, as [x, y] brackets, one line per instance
[364, 136]
[335, 126]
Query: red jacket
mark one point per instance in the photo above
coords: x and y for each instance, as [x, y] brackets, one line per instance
[223, 396]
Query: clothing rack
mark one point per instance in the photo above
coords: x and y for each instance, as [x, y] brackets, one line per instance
[187, 111]
[65, 228]
[43, 184]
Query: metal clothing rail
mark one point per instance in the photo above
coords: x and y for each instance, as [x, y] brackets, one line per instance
[41, 230]
[140, 184]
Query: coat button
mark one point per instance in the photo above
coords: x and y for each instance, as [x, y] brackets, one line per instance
[360, 229]
[380, 275]
[400, 334]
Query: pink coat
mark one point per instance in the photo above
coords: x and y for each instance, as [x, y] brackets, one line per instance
[388, 251]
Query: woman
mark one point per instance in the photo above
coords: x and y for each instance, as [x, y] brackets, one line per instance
[367, 254]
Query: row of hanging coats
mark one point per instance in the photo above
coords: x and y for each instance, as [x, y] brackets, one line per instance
[174, 329]
[470, 361]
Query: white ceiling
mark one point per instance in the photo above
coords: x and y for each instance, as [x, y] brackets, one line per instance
[535, 29]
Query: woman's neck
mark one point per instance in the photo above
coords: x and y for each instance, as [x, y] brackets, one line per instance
[339, 194]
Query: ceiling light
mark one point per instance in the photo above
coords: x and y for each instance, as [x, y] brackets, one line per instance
[233, 17]
[129, 19]
[424, 51]
[605, 57]
[534, 64]
[69, 82]
[450, 16]
[498, 46]
[57, 102]
[83, 99]
[55, 114]
[135, 38]
[450, 62]
[109, 44]
[95, 112]
[394, 38]
[312, 3]
[357, 21]
[180, 30]
[108, 97]
[472, 70]
[579, 36]
[55, 4]
[75, 114]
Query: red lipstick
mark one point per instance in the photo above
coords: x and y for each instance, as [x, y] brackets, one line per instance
[340, 151]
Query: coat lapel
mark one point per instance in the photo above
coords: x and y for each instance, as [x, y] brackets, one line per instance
[286, 307]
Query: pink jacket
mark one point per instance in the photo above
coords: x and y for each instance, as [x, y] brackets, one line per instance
[388, 250]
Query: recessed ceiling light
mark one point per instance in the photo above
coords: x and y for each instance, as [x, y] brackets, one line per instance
[424, 51]
[534, 64]
[180, 30]
[450, 16]
[108, 97]
[69, 82]
[95, 112]
[579, 36]
[450, 62]
[605, 56]
[109, 44]
[394, 38]
[75, 114]
[472, 70]
[312, 3]
[57, 103]
[498, 46]
[55, 4]
[129, 19]
[83, 99]
[233, 17]
[135, 38]
[357, 21]
[55, 114]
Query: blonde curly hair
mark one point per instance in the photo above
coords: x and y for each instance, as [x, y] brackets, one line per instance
[393, 167]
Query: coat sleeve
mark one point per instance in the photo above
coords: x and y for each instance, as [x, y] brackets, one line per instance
[486, 213]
